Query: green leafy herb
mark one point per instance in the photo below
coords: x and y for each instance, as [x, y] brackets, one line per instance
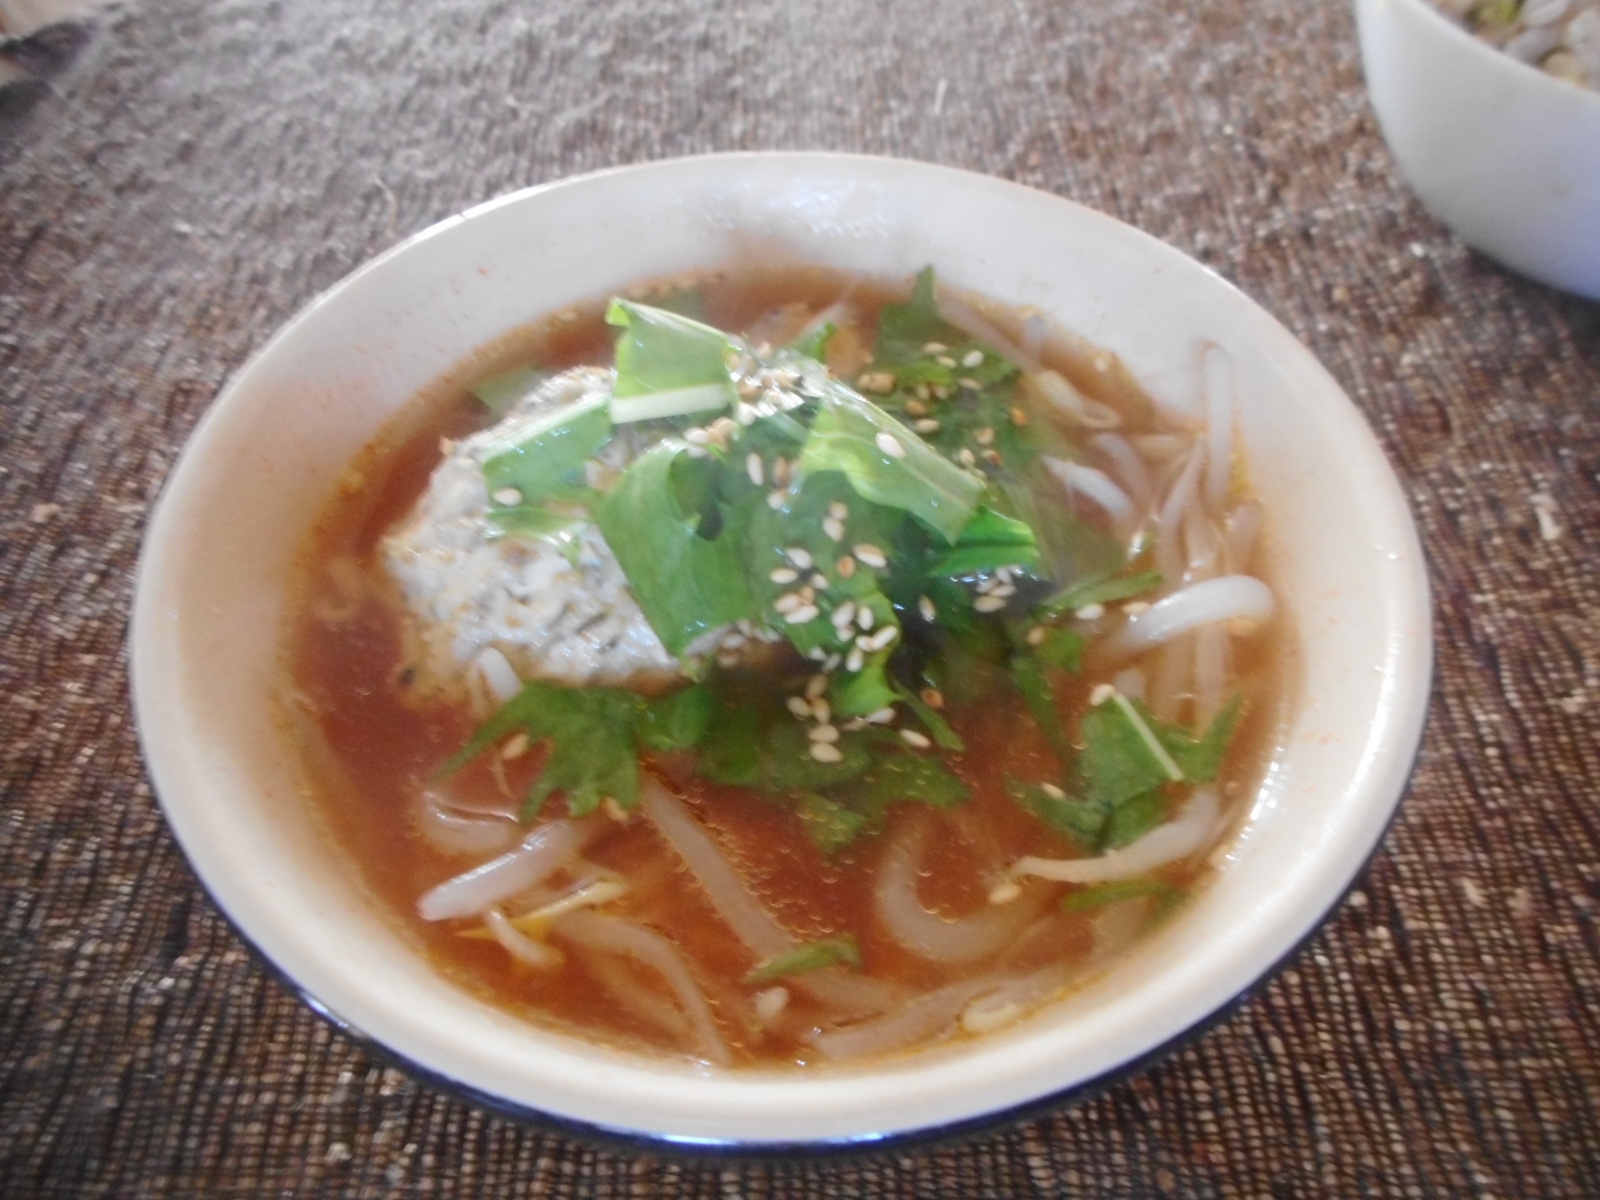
[1134, 817]
[684, 583]
[938, 728]
[988, 541]
[1086, 899]
[678, 720]
[1097, 591]
[830, 824]
[591, 734]
[1078, 820]
[888, 464]
[813, 956]
[668, 365]
[1128, 751]
[544, 461]
[500, 393]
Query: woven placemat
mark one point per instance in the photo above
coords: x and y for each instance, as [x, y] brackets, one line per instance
[175, 184]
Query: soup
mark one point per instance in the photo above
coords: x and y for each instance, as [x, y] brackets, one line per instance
[785, 667]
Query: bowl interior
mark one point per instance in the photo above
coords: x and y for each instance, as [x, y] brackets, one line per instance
[209, 612]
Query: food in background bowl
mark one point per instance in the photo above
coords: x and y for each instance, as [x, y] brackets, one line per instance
[1560, 37]
[1500, 151]
[226, 548]
[853, 681]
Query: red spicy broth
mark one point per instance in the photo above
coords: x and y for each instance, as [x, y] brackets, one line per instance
[372, 748]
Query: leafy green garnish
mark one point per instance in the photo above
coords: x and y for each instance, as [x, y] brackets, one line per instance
[544, 461]
[1086, 899]
[988, 541]
[813, 956]
[1075, 818]
[888, 464]
[1097, 591]
[830, 824]
[668, 365]
[678, 720]
[814, 344]
[590, 732]
[500, 393]
[685, 584]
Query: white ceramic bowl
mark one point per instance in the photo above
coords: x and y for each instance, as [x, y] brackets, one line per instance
[209, 611]
[1505, 155]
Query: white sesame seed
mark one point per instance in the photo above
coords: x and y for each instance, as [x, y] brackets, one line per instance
[935, 348]
[514, 746]
[776, 500]
[838, 511]
[834, 528]
[1005, 574]
[914, 739]
[865, 617]
[868, 553]
[916, 408]
[884, 637]
[890, 446]
[855, 660]
[784, 575]
[944, 360]
[1037, 635]
[746, 414]
[989, 604]
[1135, 608]
[799, 706]
[507, 496]
[799, 557]
[823, 733]
[1102, 692]
[826, 752]
[771, 1003]
[721, 430]
[1092, 612]
[754, 469]
[926, 608]
[1004, 590]
[967, 457]
[821, 710]
[1051, 790]
[697, 437]
[815, 686]
[831, 663]
[984, 436]
[972, 358]
[926, 425]
[733, 641]
[882, 716]
[819, 581]
[845, 615]
[800, 616]
[987, 584]
[972, 385]
[1005, 892]
[788, 602]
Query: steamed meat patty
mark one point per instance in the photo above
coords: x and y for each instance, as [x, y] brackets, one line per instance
[471, 593]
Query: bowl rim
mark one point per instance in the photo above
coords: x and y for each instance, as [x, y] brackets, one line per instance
[1403, 720]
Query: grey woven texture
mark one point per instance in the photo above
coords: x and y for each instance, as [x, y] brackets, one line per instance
[186, 175]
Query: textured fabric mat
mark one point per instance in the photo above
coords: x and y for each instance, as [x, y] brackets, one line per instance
[179, 181]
